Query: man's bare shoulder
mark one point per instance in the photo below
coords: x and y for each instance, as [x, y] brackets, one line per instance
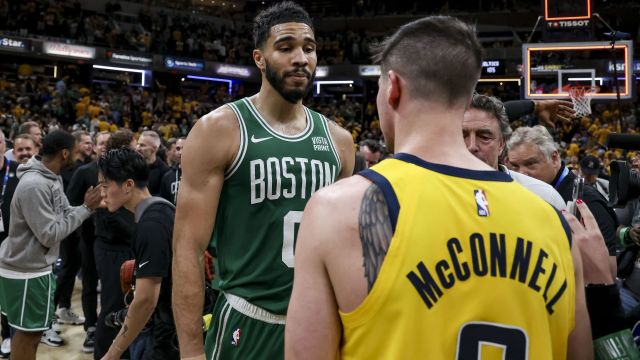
[341, 135]
[221, 119]
[339, 203]
[213, 142]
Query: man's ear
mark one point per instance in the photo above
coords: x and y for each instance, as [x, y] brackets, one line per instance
[394, 90]
[258, 58]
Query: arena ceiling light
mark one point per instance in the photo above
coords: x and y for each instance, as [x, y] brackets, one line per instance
[500, 80]
[115, 68]
[206, 78]
[331, 82]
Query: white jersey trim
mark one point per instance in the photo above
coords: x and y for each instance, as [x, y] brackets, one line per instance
[248, 309]
[242, 149]
[292, 138]
[334, 149]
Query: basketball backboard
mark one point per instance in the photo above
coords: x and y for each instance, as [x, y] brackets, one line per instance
[550, 69]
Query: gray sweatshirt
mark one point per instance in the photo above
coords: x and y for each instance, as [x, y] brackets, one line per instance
[41, 218]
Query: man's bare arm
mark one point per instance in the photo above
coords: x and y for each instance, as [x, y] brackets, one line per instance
[139, 313]
[211, 146]
[313, 326]
[346, 150]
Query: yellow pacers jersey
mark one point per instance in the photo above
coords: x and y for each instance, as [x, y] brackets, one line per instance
[478, 268]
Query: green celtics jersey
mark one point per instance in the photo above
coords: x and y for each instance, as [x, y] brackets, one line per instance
[263, 195]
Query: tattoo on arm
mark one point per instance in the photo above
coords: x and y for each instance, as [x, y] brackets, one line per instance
[125, 328]
[375, 232]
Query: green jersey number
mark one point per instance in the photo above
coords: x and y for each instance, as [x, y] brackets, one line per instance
[289, 236]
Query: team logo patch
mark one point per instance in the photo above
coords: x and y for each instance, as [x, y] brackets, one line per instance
[235, 337]
[481, 202]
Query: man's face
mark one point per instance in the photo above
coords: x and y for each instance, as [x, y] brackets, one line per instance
[23, 150]
[85, 146]
[635, 162]
[589, 178]
[69, 156]
[37, 134]
[114, 195]
[290, 60]
[482, 135]
[101, 144]
[178, 154]
[146, 147]
[370, 157]
[171, 154]
[527, 158]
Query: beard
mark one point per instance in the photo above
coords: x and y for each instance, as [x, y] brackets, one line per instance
[290, 95]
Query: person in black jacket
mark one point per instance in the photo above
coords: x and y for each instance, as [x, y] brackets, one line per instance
[124, 175]
[85, 177]
[171, 180]
[112, 247]
[147, 146]
[533, 152]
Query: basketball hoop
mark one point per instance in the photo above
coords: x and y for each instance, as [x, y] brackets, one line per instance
[581, 98]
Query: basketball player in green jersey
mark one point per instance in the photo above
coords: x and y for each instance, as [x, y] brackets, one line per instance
[249, 169]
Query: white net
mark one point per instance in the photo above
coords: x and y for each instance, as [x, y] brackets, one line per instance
[581, 98]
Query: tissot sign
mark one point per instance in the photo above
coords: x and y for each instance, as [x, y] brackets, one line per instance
[68, 50]
[128, 58]
[7, 43]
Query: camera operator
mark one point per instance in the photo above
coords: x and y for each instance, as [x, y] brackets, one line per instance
[124, 176]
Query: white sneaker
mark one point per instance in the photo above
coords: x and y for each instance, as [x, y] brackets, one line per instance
[66, 316]
[5, 349]
[51, 338]
[55, 325]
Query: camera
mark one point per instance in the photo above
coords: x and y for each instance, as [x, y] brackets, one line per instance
[116, 319]
[624, 184]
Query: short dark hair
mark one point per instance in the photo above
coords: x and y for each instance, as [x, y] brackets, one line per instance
[78, 134]
[373, 145]
[122, 164]
[439, 57]
[494, 107]
[25, 136]
[171, 142]
[120, 138]
[280, 13]
[25, 128]
[57, 141]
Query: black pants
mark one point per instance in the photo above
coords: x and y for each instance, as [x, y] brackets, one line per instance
[76, 253]
[108, 262]
[5, 327]
[66, 277]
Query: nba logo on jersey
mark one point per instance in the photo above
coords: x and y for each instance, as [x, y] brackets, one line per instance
[235, 337]
[481, 202]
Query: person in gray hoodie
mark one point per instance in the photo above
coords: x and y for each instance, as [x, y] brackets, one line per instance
[41, 218]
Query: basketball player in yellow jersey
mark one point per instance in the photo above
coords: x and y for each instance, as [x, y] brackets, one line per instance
[433, 254]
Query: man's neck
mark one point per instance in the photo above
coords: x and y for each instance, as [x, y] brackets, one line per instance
[137, 197]
[434, 134]
[274, 107]
[52, 164]
[151, 160]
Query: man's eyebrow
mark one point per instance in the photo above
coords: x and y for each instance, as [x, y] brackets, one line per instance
[286, 38]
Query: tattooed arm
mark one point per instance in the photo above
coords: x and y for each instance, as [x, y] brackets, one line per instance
[375, 232]
[140, 310]
[343, 238]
